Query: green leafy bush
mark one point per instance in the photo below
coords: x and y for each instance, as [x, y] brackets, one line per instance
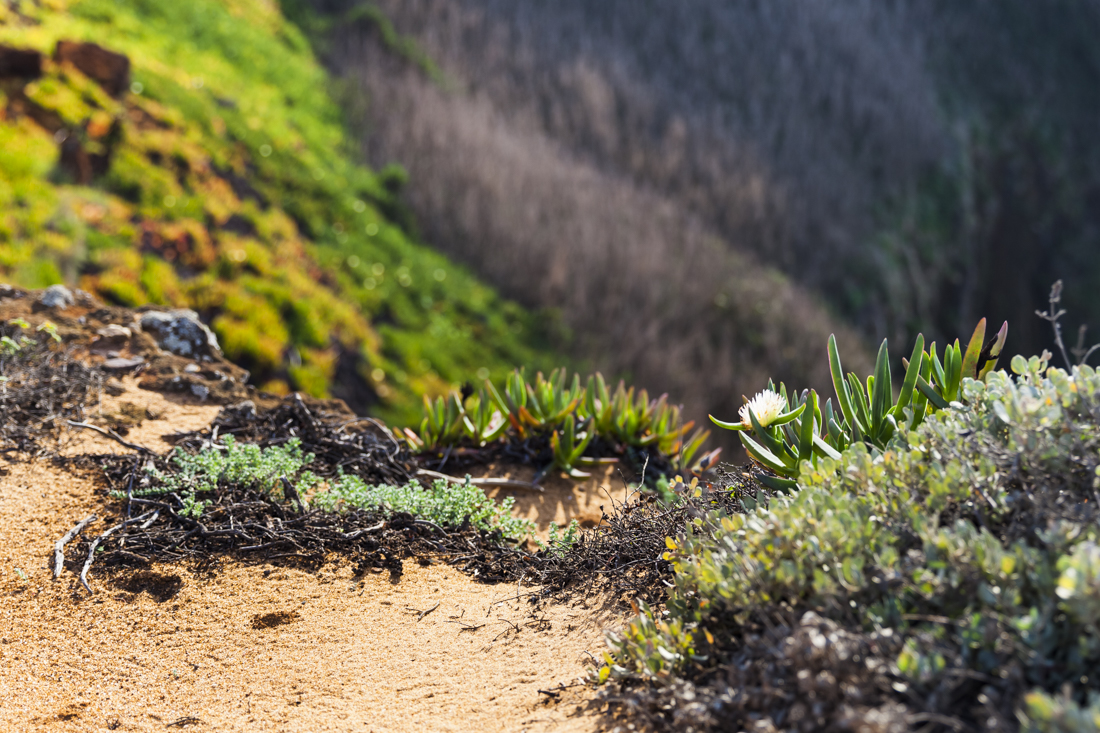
[1043, 713]
[964, 549]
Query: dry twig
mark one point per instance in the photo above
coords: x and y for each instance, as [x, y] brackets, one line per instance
[59, 546]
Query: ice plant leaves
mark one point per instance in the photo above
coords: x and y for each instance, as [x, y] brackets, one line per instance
[868, 411]
[567, 414]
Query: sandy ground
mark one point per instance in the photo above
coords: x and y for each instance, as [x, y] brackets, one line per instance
[159, 415]
[562, 500]
[264, 648]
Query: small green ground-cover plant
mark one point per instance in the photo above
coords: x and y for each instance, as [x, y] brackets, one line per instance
[950, 574]
[572, 415]
[560, 541]
[444, 503]
[14, 338]
[196, 477]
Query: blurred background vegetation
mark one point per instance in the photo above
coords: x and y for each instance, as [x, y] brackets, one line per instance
[691, 194]
[227, 184]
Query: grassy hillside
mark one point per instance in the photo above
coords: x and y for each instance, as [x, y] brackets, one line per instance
[225, 184]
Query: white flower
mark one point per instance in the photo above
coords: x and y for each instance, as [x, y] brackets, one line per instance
[766, 405]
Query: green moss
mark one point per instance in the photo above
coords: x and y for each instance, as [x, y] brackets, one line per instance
[160, 283]
[38, 273]
[231, 189]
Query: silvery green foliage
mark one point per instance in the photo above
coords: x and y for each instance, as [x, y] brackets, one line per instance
[560, 542]
[444, 503]
[1079, 584]
[230, 463]
[983, 519]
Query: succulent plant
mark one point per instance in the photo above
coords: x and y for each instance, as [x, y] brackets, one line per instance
[570, 414]
[569, 446]
[779, 432]
[482, 422]
[443, 423]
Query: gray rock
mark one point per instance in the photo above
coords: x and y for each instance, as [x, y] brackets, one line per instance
[239, 412]
[180, 332]
[85, 298]
[114, 331]
[112, 336]
[119, 364]
[57, 296]
[200, 391]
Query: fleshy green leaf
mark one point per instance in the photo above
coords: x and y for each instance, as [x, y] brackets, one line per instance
[882, 392]
[843, 398]
[974, 351]
[764, 456]
[728, 425]
[916, 362]
[931, 394]
[806, 442]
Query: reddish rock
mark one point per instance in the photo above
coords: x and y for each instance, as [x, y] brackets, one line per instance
[110, 69]
[23, 63]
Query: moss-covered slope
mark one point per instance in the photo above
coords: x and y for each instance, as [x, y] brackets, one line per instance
[221, 180]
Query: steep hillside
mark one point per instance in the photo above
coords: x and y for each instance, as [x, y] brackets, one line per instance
[212, 171]
[652, 290]
[916, 165]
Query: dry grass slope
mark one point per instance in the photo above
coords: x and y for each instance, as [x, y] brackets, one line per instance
[648, 288]
[916, 165]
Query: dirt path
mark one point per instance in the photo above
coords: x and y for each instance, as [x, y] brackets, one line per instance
[263, 648]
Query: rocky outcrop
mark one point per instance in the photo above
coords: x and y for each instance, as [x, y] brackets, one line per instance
[110, 69]
[181, 333]
[57, 296]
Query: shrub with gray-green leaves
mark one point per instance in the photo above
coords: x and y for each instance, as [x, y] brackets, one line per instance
[972, 539]
[1043, 713]
[199, 475]
[230, 463]
[443, 503]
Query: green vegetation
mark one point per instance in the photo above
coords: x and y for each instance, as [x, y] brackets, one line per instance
[566, 413]
[232, 463]
[560, 542]
[444, 503]
[790, 429]
[14, 338]
[966, 546]
[279, 473]
[230, 189]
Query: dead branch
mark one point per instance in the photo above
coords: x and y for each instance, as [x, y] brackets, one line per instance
[151, 516]
[496, 483]
[112, 435]
[59, 546]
